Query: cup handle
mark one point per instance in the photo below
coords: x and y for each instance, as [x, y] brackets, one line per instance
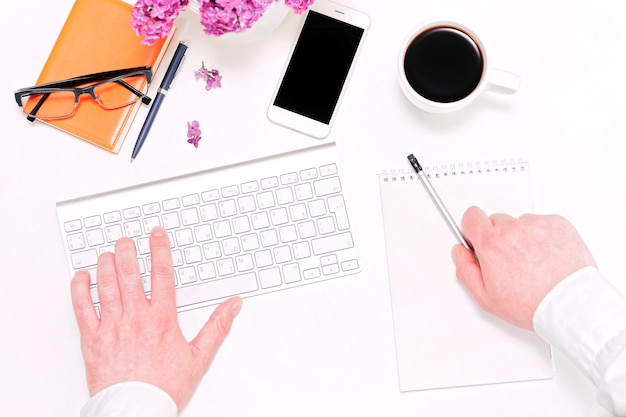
[503, 82]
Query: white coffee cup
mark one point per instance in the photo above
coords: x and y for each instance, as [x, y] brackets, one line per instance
[443, 67]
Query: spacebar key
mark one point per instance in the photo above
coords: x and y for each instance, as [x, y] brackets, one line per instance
[332, 243]
[213, 290]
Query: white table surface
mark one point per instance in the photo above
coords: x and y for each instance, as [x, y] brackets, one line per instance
[324, 349]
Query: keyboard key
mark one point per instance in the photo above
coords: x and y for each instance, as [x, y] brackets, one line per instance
[246, 204]
[250, 242]
[288, 233]
[308, 174]
[337, 207]
[132, 229]
[327, 186]
[301, 250]
[270, 277]
[210, 195]
[263, 258]
[244, 262]
[241, 224]
[216, 289]
[191, 200]
[212, 250]
[326, 170]
[132, 213]
[298, 212]
[303, 191]
[260, 220]
[84, 259]
[93, 221]
[307, 229]
[330, 269]
[225, 266]
[76, 241]
[222, 229]
[112, 217]
[311, 273]
[208, 212]
[332, 243]
[113, 233]
[350, 265]
[207, 271]
[325, 225]
[317, 208]
[279, 216]
[289, 178]
[72, 226]
[268, 238]
[171, 204]
[284, 195]
[187, 275]
[265, 200]
[249, 187]
[282, 254]
[150, 223]
[193, 254]
[291, 273]
[189, 216]
[270, 182]
[151, 208]
[230, 191]
[227, 208]
[184, 237]
[95, 237]
[230, 246]
[203, 233]
[170, 220]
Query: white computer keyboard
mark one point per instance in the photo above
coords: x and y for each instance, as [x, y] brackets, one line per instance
[247, 229]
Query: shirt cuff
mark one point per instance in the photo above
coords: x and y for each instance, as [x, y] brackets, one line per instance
[582, 317]
[130, 399]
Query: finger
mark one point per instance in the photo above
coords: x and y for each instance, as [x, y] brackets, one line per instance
[213, 333]
[128, 274]
[499, 218]
[162, 269]
[468, 272]
[82, 303]
[108, 287]
[474, 219]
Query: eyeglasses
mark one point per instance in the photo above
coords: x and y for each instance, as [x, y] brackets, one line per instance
[110, 89]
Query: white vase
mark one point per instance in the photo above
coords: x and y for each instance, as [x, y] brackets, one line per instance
[273, 16]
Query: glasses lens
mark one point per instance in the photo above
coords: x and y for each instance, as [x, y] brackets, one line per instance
[121, 91]
[50, 104]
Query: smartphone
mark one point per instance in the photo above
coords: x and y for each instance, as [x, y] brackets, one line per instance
[317, 72]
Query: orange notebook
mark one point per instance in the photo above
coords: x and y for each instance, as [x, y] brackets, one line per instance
[97, 36]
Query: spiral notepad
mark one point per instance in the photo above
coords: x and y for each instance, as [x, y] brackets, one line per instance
[443, 339]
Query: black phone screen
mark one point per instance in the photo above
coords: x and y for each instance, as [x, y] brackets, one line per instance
[318, 67]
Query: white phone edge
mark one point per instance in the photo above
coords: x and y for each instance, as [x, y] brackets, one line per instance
[297, 122]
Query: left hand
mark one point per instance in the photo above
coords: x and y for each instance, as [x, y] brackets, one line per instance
[139, 339]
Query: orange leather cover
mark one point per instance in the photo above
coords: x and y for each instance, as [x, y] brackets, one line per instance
[97, 36]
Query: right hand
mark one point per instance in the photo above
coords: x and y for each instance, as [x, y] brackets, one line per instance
[521, 260]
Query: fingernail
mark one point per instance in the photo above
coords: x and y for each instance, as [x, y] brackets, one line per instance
[158, 232]
[236, 307]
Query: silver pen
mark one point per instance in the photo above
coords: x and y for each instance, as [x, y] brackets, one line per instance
[440, 206]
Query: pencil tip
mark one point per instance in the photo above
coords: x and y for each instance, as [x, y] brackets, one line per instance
[132, 159]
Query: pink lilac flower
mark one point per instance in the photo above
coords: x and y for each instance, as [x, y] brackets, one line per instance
[212, 77]
[153, 19]
[193, 133]
[224, 16]
[299, 6]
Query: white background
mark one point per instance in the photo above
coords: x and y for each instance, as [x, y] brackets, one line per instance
[324, 349]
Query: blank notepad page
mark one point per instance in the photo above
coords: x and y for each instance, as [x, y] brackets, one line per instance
[443, 339]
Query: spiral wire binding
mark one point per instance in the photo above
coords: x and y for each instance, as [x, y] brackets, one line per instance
[470, 168]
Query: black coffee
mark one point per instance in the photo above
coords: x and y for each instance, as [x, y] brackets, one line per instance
[443, 64]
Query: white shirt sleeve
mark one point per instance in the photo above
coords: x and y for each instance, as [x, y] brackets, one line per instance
[130, 399]
[584, 317]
